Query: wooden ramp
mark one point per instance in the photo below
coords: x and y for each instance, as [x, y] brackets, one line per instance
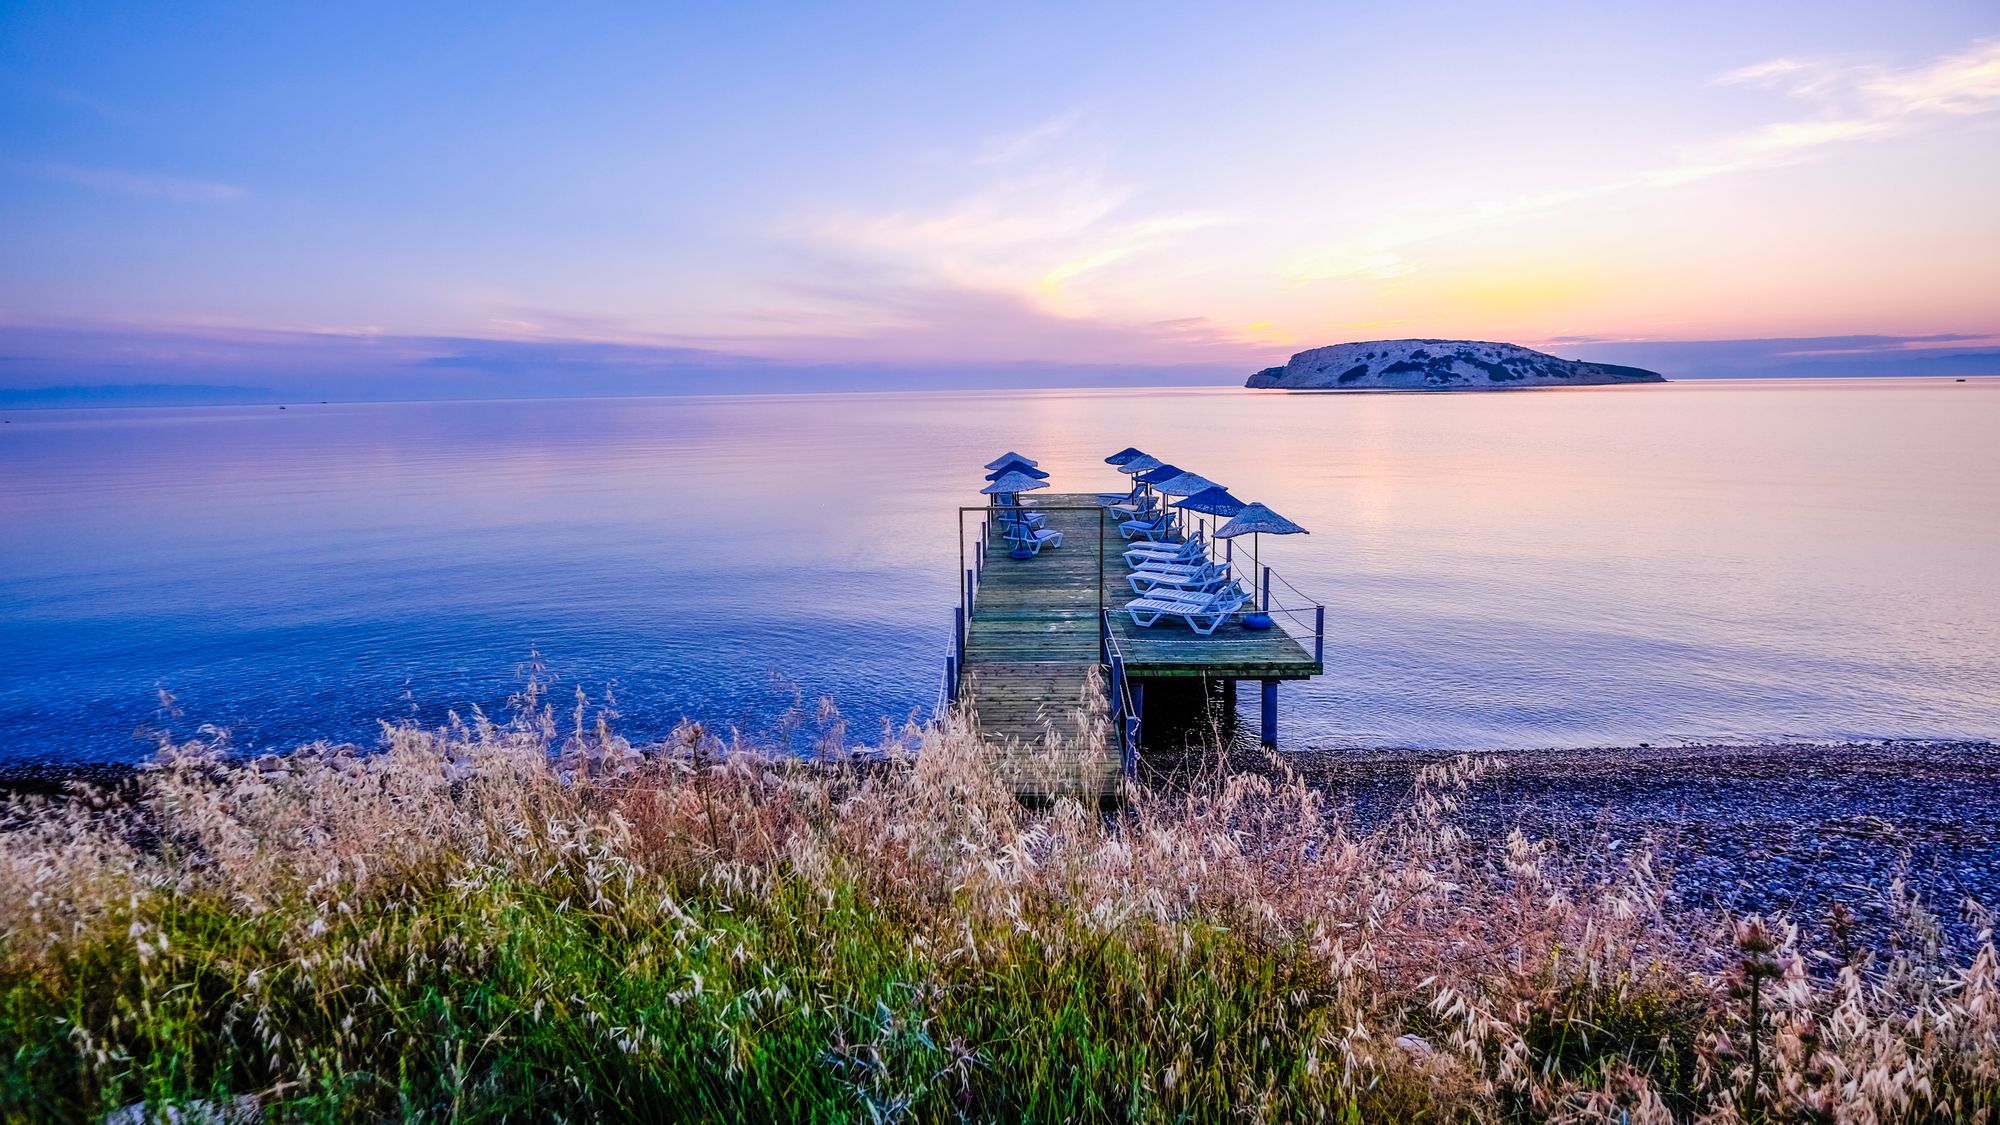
[1031, 649]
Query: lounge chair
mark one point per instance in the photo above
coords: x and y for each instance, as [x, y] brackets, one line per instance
[1195, 597]
[1010, 514]
[1202, 581]
[1204, 614]
[1166, 553]
[1154, 529]
[1118, 499]
[1033, 539]
[1202, 577]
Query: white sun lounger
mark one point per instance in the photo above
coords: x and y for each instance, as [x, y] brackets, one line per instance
[1032, 519]
[1181, 577]
[1165, 554]
[1204, 616]
[1155, 529]
[1033, 539]
[1197, 583]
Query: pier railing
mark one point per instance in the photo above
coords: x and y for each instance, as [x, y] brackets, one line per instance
[1299, 614]
[1124, 709]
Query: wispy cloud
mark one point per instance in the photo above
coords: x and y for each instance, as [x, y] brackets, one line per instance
[145, 185]
[1850, 103]
[1961, 83]
[1007, 148]
[1041, 217]
[1030, 232]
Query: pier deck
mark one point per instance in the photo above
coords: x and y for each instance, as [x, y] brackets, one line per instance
[1033, 640]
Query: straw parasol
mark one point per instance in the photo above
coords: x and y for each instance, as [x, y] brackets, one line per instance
[1013, 482]
[1211, 502]
[1025, 467]
[1144, 462]
[1123, 455]
[1256, 520]
[1008, 485]
[1185, 484]
[1010, 455]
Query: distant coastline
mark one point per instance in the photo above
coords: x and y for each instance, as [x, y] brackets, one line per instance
[164, 396]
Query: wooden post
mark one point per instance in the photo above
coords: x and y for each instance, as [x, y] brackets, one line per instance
[1265, 605]
[958, 634]
[951, 679]
[1319, 634]
[1270, 735]
[970, 586]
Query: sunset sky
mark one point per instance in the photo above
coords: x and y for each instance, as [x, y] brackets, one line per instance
[260, 191]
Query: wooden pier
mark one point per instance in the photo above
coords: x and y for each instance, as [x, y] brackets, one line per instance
[1033, 632]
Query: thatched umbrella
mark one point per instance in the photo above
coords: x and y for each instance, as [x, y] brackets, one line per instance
[1256, 520]
[1157, 471]
[1009, 485]
[1026, 467]
[1185, 484]
[1212, 502]
[1123, 455]
[1010, 455]
[1143, 463]
[1181, 484]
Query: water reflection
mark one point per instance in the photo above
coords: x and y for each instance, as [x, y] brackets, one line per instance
[1729, 560]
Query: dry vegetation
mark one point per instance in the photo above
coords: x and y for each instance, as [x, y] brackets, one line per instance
[508, 920]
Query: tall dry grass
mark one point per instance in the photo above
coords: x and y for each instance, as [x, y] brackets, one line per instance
[516, 921]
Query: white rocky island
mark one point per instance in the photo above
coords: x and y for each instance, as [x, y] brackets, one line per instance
[1439, 365]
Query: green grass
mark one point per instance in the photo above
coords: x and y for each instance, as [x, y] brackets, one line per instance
[501, 1000]
[457, 929]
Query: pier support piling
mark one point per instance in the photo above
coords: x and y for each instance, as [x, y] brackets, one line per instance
[1270, 731]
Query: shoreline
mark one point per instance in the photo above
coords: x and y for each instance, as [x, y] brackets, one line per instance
[1772, 828]
[1785, 828]
[42, 773]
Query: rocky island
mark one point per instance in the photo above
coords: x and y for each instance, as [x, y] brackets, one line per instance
[1436, 365]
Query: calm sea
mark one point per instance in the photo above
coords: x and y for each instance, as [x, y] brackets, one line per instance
[1702, 560]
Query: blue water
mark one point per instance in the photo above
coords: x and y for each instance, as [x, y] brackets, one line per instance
[1726, 560]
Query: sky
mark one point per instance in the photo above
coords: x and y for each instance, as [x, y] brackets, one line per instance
[405, 200]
